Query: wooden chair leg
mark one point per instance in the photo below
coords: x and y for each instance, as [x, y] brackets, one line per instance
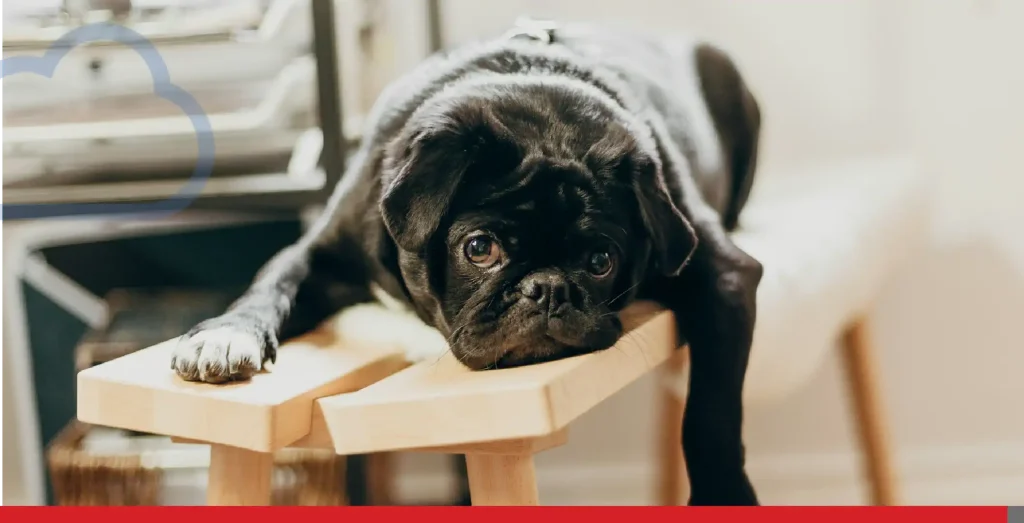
[239, 477]
[502, 480]
[862, 375]
[671, 468]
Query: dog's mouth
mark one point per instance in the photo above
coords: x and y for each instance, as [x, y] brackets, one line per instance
[538, 339]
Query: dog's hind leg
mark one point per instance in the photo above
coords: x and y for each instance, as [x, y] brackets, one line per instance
[714, 299]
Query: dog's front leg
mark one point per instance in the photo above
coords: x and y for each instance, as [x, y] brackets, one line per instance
[714, 302]
[297, 289]
[304, 284]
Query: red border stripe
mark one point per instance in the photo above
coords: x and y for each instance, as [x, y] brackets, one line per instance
[517, 514]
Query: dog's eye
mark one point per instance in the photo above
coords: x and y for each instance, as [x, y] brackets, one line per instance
[600, 263]
[483, 251]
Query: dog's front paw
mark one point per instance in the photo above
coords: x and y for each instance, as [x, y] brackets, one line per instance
[219, 354]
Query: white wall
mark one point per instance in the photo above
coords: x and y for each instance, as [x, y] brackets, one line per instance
[819, 67]
[837, 79]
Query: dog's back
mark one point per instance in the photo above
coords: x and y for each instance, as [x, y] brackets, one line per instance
[710, 114]
[694, 88]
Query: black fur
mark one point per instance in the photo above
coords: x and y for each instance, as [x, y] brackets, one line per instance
[595, 142]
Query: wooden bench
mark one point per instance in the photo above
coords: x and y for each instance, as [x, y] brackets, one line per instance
[360, 398]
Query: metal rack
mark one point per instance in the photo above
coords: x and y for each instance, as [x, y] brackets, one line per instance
[317, 155]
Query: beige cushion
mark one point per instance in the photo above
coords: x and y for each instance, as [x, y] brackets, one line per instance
[828, 239]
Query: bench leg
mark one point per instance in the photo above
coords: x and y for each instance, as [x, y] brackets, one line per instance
[501, 480]
[239, 477]
[671, 468]
[862, 375]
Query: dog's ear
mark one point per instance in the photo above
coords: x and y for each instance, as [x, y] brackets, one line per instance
[423, 182]
[430, 167]
[671, 234]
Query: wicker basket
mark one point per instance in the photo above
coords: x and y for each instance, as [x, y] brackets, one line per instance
[133, 474]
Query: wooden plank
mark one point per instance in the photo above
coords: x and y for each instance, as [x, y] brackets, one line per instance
[443, 404]
[270, 411]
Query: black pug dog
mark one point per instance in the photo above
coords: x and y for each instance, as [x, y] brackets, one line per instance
[516, 194]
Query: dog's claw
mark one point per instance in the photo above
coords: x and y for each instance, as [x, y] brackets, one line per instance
[218, 355]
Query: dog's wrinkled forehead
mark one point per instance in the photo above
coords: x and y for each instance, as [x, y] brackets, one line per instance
[484, 141]
[555, 146]
[548, 197]
[542, 200]
[553, 118]
[478, 143]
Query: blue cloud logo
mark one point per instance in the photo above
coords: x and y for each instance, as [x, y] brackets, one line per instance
[105, 32]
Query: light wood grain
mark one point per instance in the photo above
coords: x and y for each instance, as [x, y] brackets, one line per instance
[270, 411]
[862, 375]
[496, 480]
[239, 477]
[443, 404]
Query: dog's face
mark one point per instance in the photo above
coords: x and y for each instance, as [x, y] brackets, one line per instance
[526, 217]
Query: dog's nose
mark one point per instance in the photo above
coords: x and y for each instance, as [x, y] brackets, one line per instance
[547, 290]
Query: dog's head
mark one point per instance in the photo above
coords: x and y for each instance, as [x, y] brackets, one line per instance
[526, 216]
